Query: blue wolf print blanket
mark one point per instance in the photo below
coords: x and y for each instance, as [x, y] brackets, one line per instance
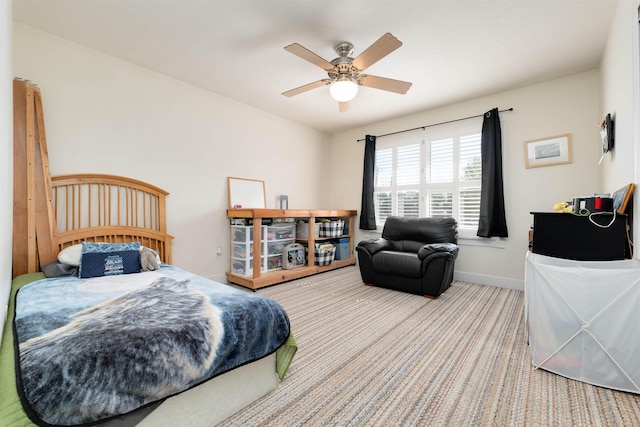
[91, 349]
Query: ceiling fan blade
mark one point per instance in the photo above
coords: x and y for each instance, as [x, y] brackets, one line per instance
[391, 85]
[378, 50]
[306, 87]
[344, 106]
[307, 55]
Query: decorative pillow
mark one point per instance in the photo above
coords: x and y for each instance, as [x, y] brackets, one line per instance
[107, 259]
[149, 259]
[155, 252]
[71, 255]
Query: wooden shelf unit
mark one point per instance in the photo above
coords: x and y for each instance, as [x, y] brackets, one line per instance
[260, 279]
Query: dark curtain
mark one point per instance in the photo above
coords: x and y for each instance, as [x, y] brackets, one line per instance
[367, 210]
[493, 222]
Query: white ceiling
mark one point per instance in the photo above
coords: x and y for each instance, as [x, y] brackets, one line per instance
[453, 50]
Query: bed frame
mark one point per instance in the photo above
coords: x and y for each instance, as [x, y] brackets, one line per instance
[114, 209]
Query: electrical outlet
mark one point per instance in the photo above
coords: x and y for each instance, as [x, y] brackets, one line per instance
[219, 251]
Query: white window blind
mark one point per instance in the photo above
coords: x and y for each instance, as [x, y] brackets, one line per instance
[440, 161]
[408, 177]
[383, 179]
[384, 167]
[431, 174]
[470, 181]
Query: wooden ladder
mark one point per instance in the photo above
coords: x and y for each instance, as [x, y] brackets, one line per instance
[34, 224]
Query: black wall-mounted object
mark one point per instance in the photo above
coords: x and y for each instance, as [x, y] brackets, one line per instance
[607, 132]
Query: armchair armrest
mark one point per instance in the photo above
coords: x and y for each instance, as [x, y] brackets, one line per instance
[374, 245]
[432, 248]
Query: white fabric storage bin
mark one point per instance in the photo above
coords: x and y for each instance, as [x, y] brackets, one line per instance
[583, 319]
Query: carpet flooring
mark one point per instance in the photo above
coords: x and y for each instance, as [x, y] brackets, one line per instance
[374, 357]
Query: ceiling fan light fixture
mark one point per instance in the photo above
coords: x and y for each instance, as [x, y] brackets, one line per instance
[343, 90]
[344, 73]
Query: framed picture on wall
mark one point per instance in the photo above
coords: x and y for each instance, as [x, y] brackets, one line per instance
[622, 197]
[552, 150]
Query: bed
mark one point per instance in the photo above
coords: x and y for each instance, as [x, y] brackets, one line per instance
[96, 298]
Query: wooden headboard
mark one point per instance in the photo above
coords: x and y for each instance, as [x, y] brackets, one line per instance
[109, 208]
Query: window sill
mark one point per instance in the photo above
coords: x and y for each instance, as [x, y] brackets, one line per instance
[467, 240]
[491, 242]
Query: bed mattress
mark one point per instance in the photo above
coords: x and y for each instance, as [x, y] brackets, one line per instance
[200, 402]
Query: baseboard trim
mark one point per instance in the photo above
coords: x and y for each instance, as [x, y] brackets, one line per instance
[501, 282]
[219, 279]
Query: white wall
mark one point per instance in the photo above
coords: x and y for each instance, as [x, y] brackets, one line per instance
[105, 115]
[617, 96]
[568, 105]
[621, 97]
[6, 158]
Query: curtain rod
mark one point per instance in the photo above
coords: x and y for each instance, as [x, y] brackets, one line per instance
[435, 124]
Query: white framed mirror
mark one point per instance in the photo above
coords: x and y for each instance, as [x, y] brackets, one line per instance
[246, 193]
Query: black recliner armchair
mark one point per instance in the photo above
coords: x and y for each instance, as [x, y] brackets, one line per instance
[414, 255]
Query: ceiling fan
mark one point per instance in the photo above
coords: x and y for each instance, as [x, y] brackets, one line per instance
[344, 72]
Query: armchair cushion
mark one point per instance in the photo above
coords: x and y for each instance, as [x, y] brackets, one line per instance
[391, 262]
[406, 246]
[426, 230]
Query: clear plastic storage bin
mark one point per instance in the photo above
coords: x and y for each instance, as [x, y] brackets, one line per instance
[242, 250]
[244, 233]
[278, 236]
[274, 262]
[277, 247]
[242, 267]
[281, 232]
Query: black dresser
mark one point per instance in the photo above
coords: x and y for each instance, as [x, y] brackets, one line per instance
[599, 237]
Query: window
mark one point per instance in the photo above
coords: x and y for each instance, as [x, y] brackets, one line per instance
[430, 174]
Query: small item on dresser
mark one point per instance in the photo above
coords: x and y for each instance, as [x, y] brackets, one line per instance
[563, 207]
[591, 204]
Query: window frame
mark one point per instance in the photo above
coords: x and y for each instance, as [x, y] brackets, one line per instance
[453, 131]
